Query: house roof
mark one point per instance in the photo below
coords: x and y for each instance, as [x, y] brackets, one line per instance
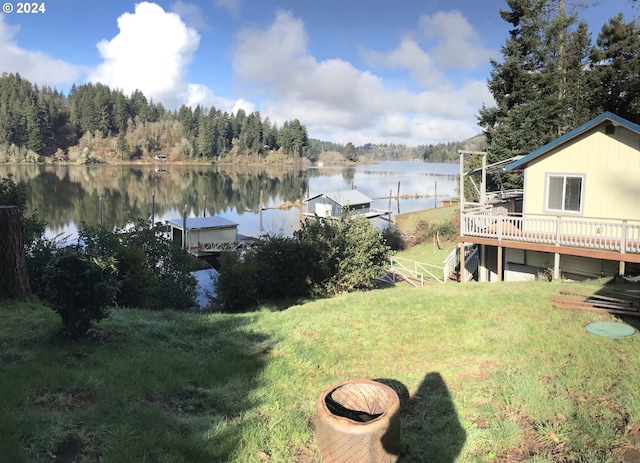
[213, 221]
[601, 119]
[345, 198]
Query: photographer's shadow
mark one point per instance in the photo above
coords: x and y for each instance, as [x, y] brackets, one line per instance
[430, 429]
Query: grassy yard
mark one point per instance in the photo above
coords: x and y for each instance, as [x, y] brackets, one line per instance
[485, 373]
[428, 252]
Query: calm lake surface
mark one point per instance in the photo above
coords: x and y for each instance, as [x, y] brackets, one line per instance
[66, 196]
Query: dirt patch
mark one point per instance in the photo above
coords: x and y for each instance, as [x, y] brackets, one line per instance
[190, 401]
[533, 444]
[62, 400]
[10, 358]
[68, 450]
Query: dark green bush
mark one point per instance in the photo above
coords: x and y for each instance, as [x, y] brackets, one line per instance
[154, 272]
[351, 253]
[394, 238]
[236, 288]
[80, 288]
[324, 257]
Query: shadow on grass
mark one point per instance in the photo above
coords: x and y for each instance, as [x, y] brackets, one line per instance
[156, 387]
[430, 429]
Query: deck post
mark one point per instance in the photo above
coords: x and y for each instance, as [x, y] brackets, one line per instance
[482, 272]
[556, 266]
[184, 227]
[499, 269]
[461, 268]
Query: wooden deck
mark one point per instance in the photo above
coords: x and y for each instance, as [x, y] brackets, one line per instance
[602, 239]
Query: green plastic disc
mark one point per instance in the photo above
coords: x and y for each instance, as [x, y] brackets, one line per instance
[612, 330]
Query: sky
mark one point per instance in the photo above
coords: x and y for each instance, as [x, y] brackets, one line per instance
[412, 72]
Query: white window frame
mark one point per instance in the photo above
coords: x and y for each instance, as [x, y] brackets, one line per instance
[547, 192]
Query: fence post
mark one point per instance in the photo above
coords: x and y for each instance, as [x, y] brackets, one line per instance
[558, 219]
[623, 238]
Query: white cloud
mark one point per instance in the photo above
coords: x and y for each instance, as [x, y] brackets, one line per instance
[457, 43]
[35, 66]
[151, 52]
[232, 6]
[337, 101]
[191, 14]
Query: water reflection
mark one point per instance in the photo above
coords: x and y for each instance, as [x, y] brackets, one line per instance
[66, 196]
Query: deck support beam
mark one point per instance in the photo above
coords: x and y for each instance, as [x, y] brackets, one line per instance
[482, 271]
[462, 270]
[499, 269]
[556, 266]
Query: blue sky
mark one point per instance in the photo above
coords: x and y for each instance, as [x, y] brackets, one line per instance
[380, 71]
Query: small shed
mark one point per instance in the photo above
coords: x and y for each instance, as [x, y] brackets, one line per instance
[334, 204]
[203, 230]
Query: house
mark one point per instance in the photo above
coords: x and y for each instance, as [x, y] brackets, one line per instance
[203, 233]
[578, 215]
[334, 204]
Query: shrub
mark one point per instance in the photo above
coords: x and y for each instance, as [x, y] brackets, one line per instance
[324, 257]
[394, 238]
[426, 230]
[236, 288]
[275, 268]
[351, 253]
[154, 271]
[79, 287]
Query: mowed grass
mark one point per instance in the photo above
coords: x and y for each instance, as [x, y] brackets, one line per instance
[485, 373]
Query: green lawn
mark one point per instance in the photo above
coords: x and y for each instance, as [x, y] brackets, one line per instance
[486, 373]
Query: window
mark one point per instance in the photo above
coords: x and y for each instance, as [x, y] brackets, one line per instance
[564, 193]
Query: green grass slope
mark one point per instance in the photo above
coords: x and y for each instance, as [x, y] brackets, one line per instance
[485, 373]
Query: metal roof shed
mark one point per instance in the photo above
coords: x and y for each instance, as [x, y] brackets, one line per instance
[333, 204]
[203, 230]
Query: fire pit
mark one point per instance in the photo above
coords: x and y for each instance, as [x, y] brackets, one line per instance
[358, 422]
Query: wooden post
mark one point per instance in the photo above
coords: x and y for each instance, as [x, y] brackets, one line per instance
[461, 269]
[184, 227]
[390, 193]
[14, 282]
[499, 269]
[153, 208]
[483, 181]
[556, 266]
[260, 210]
[398, 191]
[482, 273]
[435, 195]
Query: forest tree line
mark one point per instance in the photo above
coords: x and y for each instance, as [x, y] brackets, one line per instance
[552, 78]
[41, 121]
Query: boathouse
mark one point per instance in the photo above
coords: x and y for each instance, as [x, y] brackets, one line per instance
[335, 204]
[197, 233]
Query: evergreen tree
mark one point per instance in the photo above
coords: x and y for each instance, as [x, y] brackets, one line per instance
[535, 85]
[615, 65]
[350, 152]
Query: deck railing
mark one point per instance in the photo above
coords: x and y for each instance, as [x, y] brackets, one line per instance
[619, 236]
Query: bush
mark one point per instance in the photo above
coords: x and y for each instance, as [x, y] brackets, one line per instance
[427, 230]
[351, 253]
[154, 272]
[275, 268]
[235, 285]
[394, 238]
[80, 288]
[324, 257]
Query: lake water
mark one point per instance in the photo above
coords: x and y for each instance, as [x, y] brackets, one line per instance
[68, 195]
